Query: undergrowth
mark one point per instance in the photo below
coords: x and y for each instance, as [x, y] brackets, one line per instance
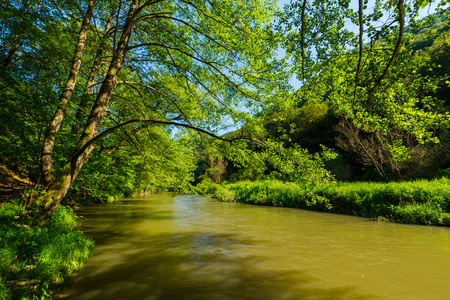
[415, 202]
[34, 259]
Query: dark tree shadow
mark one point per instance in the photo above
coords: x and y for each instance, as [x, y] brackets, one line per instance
[192, 265]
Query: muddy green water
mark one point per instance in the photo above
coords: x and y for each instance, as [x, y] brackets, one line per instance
[190, 247]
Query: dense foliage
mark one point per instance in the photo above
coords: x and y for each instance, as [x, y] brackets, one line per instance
[139, 89]
[106, 99]
[33, 259]
[391, 127]
[121, 84]
[388, 91]
[418, 202]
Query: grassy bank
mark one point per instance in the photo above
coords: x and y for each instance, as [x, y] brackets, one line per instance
[416, 202]
[33, 259]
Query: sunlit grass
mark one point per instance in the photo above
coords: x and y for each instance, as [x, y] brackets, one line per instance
[41, 256]
[416, 202]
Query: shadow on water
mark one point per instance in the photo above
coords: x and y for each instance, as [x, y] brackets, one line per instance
[190, 265]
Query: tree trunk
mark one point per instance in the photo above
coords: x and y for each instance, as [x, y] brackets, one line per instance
[11, 53]
[56, 192]
[58, 116]
[81, 111]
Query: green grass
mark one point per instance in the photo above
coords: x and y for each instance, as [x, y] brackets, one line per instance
[415, 202]
[44, 256]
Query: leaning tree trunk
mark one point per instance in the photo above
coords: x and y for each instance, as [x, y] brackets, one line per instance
[84, 102]
[56, 192]
[58, 116]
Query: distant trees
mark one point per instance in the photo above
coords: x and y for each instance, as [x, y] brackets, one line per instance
[308, 126]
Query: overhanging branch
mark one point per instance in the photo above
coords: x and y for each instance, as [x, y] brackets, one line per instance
[151, 121]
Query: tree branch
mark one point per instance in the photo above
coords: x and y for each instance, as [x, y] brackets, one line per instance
[401, 21]
[151, 121]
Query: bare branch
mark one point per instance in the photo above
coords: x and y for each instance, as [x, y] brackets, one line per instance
[401, 21]
[360, 42]
[302, 39]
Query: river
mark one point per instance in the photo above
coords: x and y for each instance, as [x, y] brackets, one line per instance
[169, 246]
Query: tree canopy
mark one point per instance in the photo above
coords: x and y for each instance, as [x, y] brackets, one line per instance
[137, 86]
[110, 70]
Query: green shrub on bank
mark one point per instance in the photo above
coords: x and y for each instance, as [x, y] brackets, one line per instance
[207, 187]
[225, 195]
[416, 202]
[275, 193]
[41, 257]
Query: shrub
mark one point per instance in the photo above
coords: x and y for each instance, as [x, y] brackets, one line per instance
[225, 195]
[206, 187]
[46, 254]
[3, 291]
[417, 202]
[444, 173]
[415, 213]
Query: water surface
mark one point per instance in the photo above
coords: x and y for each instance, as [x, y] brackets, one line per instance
[170, 246]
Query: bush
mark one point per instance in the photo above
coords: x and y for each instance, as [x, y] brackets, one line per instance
[3, 291]
[416, 202]
[225, 195]
[44, 255]
[206, 187]
[444, 173]
[417, 214]
[277, 193]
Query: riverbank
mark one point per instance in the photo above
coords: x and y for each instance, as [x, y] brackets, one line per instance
[208, 249]
[34, 259]
[415, 202]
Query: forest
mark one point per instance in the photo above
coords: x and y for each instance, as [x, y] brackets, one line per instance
[106, 99]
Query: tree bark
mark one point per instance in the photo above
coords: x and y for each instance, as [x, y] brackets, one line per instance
[58, 116]
[80, 114]
[11, 53]
[56, 192]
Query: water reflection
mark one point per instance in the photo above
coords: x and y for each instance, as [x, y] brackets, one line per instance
[190, 247]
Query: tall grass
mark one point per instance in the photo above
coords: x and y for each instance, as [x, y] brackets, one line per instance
[416, 202]
[41, 257]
